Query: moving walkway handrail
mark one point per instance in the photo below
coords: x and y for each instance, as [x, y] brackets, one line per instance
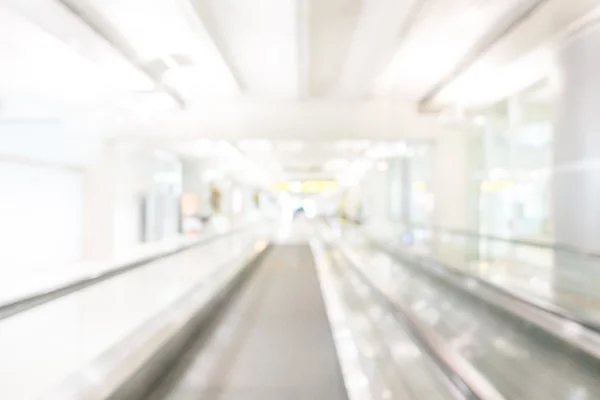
[464, 379]
[514, 240]
[527, 301]
[560, 323]
[132, 367]
[20, 305]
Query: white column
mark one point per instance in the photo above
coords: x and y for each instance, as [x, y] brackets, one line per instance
[451, 181]
[375, 196]
[397, 189]
[576, 192]
[196, 182]
[118, 180]
[99, 205]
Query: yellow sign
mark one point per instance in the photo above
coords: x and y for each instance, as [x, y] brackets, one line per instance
[215, 199]
[496, 186]
[305, 187]
[318, 186]
[280, 186]
[256, 199]
[419, 186]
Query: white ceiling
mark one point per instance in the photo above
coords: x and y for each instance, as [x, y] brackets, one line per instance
[315, 71]
[260, 41]
[287, 49]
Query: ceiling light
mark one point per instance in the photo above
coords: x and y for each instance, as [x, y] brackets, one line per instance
[197, 82]
[486, 83]
[170, 62]
[166, 177]
[154, 102]
[206, 73]
[499, 174]
[271, 164]
[435, 46]
[66, 73]
[296, 187]
[352, 175]
[255, 146]
[335, 165]
[422, 151]
[352, 145]
[207, 148]
[292, 146]
[480, 120]
[212, 175]
[386, 150]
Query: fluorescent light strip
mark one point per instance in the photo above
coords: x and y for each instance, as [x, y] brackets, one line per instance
[62, 24]
[207, 76]
[90, 16]
[503, 26]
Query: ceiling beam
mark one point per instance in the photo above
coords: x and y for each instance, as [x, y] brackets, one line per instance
[307, 121]
[303, 46]
[97, 23]
[201, 14]
[373, 65]
[495, 35]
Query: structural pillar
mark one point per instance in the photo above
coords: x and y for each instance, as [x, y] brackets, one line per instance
[99, 206]
[576, 186]
[451, 180]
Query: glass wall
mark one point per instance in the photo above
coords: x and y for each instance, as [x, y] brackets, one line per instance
[419, 184]
[511, 151]
[399, 185]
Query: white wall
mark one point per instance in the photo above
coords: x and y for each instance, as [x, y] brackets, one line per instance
[40, 214]
[374, 192]
[195, 175]
[117, 179]
[99, 188]
[48, 141]
[41, 191]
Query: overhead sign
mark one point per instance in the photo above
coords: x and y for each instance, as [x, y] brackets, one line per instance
[496, 185]
[309, 187]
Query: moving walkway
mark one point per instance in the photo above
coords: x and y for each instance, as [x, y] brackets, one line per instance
[337, 315]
